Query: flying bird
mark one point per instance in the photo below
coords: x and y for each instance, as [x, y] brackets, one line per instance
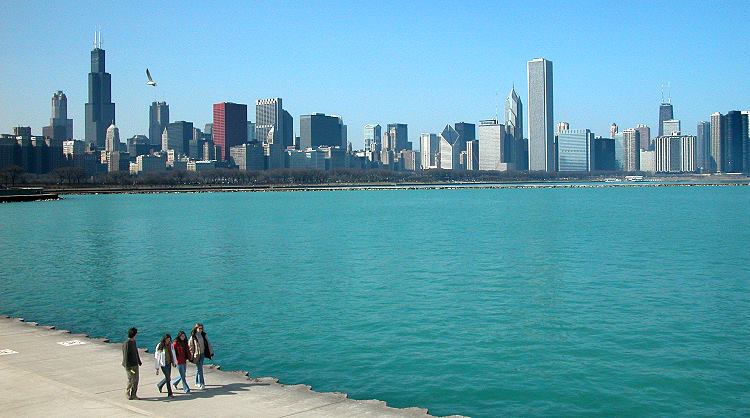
[150, 81]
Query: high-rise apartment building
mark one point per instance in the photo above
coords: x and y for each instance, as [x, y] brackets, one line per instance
[575, 150]
[100, 111]
[703, 146]
[717, 142]
[666, 112]
[372, 137]
[60, 127]
[515, 146]
[746, 141]
[541, 118]
[631, 150]
[675, 153]
[229, 127]
[158, 119]
[320, 130]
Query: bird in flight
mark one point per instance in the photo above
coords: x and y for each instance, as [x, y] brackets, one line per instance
[150, 81]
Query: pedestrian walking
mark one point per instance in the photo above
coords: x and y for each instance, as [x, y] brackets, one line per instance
[200, 349]
[164, 359]
[131, 361]
[182, 350]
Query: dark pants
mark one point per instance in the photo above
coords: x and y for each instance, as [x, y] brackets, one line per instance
[132, 388]
[167, 371]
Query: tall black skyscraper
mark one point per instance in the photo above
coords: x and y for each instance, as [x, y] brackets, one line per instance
[733, 157]
[666, 112]
[100, 111]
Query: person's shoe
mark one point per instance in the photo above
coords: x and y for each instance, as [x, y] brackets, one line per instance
[159, 387]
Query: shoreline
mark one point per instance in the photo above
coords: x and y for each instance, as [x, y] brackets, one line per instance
[335, 403]
[391, 186]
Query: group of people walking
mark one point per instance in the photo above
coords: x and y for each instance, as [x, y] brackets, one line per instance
[194, 349]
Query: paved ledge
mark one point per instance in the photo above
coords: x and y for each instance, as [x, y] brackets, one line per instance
[83, 378]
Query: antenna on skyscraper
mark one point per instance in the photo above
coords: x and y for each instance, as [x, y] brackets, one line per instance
[662, 93]
[497, 106]
[669, 92]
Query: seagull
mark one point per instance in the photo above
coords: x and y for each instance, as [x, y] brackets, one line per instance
[150, 81]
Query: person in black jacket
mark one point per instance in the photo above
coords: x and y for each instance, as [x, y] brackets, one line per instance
[130, 361]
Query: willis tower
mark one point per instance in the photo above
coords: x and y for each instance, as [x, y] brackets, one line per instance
[100, 111]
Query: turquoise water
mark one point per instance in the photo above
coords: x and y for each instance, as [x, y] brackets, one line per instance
[617, 301]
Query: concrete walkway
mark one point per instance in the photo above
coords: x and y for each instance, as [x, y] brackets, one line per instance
[48, 372]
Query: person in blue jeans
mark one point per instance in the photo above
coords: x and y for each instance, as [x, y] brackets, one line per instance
[200, 349]
[182, 352]
[164, 359]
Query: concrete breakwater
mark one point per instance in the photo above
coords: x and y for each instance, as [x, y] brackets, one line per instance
[51, 372]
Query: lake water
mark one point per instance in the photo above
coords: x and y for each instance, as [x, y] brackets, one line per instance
[615, 301]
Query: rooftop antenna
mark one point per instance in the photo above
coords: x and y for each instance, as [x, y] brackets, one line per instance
[497, 106]
[662, 93]
[669, 92]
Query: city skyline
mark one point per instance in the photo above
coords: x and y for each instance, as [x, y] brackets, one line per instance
[327, 81]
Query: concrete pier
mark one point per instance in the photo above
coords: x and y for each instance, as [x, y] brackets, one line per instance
[49, 372]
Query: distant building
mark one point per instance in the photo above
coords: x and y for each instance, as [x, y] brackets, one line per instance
[60, 127]
[206, 165]
[428, 148]
[717, 142]
[100, 111]
[613, 130]
[671, 127]
[450, 149]
[515, 146]
[250, 132]
[150, 163]
[631, 150]
[734, 140]
[179, 135]
[472, 155]
[229, 127]
[467, 131]
[492, 147]
[397, 137]
[158, 119]
[648, 161]
[320, 130]
[113, 139]
[675, 154]
[139, 145]
[619, 152]
[372, 137]
[574, 150]
[561, 127]
[666, 112]
[270, 120]
[645, 136]
[604, 154]
[408, 160]
[307, 159]
[541, 116]
[248, 156]
[703, 146]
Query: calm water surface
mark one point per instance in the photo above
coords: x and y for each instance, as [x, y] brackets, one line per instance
[619, 301]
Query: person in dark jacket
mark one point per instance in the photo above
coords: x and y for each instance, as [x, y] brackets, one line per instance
[182, 352]
[131, 361]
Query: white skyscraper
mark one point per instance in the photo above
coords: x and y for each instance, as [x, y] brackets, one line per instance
[516, 144]
[428, 148]
[372, 137]
[112, 142]
[492, 138]
[541, 119]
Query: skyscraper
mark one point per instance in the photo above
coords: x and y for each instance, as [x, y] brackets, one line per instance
[666, 112]
[746, 141]
[613, 130]
[398, 137]
[733, 143]
[320, 130]
[516, 145]
[631, 150]
[178, 137]
[428, 148]
[60, 127]
[229, 127]
[467, 131]
[372, 137]
[112, 139]
[492, 138]
[672, 127]
[158, 119]
[717, 142]
[561, 127]
[703, 146]
[450, 149]
[541, 119]
[575, 150]
[269, 128]
[287, 133]
[100, 111]
[645, 135]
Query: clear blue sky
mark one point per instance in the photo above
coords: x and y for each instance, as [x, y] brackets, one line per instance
[425, 63]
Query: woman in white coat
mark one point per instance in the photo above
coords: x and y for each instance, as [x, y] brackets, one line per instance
[164, 359]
